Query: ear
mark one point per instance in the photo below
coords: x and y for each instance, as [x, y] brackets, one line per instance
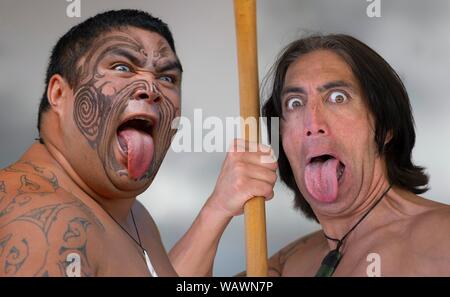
[57, 93]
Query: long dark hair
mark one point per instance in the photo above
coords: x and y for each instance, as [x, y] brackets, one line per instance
[385, 96]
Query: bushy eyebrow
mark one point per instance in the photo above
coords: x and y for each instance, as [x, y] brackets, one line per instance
[288, 90]
[335, 84]
[323, 88]
[171, 65]
[141, 61]
[133, 57]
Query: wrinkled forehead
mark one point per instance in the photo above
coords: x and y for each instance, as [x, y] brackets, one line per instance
[320, 71]
[318, 68]
[144, 41]
[130, 41]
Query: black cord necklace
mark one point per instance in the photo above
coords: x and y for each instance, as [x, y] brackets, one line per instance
[138, 242]
[333, 258]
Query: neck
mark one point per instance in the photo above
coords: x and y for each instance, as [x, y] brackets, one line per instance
[48, 155]
[368, 203]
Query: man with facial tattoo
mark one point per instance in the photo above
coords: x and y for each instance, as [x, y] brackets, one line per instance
[68, 206]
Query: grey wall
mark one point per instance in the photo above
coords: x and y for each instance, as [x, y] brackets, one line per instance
[411, 35]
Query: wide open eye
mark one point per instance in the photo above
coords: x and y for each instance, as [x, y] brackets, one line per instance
[294, 102]
[338, 97]
[122, 68]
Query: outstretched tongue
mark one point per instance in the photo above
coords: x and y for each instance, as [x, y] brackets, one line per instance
[321, 179]
[139, 148]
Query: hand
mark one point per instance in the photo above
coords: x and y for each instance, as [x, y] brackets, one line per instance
[249, 170]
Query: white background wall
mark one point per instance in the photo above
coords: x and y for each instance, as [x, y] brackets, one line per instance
[411, 35]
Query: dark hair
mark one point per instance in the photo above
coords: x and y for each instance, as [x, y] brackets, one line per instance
[78, 41]
[385, 96]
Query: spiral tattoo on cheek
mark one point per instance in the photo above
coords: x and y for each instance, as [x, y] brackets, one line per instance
[89, 106]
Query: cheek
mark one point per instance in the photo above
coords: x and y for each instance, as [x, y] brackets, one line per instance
[357, 139]
[69, 125]
[291, 135]
[172, 94]
[352, 126]
[109, 89]
[110, 85]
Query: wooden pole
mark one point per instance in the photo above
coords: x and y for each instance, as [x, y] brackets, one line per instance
[254, 209]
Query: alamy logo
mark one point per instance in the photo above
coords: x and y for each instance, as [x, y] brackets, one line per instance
[73, 269]
[374, 267]
[73, 10]
[213, 134]
[374, 8]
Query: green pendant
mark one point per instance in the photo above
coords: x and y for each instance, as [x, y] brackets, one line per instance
[329, 264]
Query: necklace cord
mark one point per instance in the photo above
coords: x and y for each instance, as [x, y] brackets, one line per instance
[135, 227]
[120, 225]
[341, 241]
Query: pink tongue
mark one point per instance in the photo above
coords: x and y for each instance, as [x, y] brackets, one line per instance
[140, 151]
[321, 180]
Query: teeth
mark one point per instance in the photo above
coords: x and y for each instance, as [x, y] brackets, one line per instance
[340, 171]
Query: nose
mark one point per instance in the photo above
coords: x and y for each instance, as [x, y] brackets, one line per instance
[150, 94]
[315, 121]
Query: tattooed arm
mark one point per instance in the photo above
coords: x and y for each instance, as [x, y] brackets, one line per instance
[50, 240]
[44, 231]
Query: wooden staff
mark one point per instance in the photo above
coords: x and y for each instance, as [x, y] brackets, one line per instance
[254, 209]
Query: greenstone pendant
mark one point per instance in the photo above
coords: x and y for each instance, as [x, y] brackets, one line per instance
[329, 264]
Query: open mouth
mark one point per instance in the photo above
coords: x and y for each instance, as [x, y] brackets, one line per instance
[136, 145]
[138, 124]
[323, 176]
[326, 157]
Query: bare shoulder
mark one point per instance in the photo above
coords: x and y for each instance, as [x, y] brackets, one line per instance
[428, 239]
[433, 226]
[295, 252]
[152, 240]
[144, 218]
[44, 231]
